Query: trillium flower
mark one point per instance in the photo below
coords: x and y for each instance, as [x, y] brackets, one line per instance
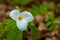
[21, 18]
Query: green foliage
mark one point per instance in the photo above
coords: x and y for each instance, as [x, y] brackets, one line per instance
[57, 9]
[49, 23]
[11, 29]
[15, 34]
[50, 16]
[7, 26]
[43, 7]
[34, 31]
[57, 20]
[7, 22]
[52, 27]
[13, 2]
[23, 2]
[17, 8]
[34, 10]
[1, 30]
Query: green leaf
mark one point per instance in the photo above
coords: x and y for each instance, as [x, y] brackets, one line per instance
[13, 2]
[8, 25]
[9, 28]
[50, 16]
[43, 7]
[15, 34]
[23, 2]
[52, 27]
[34, 31]
[34, 10]
[48, 23]
[1, 32]
[57, 20]
[57, 9]
[17, 8]
[7, 22]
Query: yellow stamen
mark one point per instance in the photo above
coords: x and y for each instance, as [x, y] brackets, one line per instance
[20, 17]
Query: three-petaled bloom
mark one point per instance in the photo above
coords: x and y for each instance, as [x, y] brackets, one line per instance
[21, 18]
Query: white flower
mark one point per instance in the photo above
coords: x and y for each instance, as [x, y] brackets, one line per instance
[21, 18]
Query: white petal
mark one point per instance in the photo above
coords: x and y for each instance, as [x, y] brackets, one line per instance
[27, 16]
[14, 14]
[22, 25]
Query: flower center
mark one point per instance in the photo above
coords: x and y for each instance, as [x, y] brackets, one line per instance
[20, 17]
